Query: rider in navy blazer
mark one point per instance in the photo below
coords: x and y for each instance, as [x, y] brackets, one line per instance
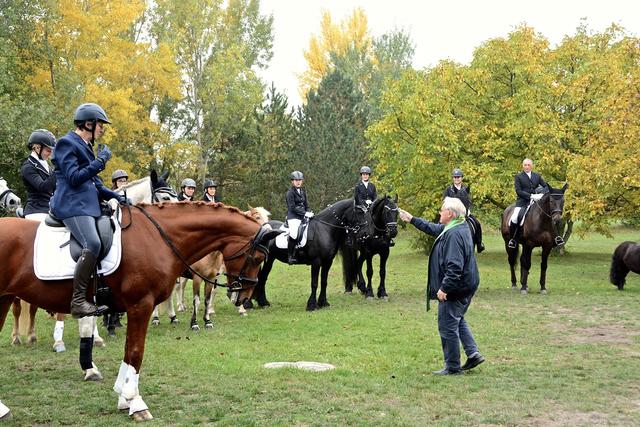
[76, 200]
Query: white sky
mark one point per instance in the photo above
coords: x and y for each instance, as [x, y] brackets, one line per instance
[443, 29]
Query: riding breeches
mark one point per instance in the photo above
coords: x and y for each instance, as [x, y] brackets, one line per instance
[514, 215]
[294, 226]
[83, 228]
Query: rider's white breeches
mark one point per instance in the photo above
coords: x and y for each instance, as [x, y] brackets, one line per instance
[294, 225]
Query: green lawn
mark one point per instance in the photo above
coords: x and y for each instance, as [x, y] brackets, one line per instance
[571, 357]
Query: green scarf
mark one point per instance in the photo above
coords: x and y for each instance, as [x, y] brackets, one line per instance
[452, 223]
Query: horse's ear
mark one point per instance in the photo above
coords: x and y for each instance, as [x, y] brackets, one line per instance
[269, 235]
[565, 186]
[165, 175]
[395, 199]
[154, 176]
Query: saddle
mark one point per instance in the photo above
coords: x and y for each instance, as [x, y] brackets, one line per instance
[104, 226]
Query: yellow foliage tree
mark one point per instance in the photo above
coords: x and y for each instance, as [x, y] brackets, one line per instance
[91, 52]
[335, 38]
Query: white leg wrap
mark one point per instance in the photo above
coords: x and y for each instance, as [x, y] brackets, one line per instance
[130, 386]
[85, 327]
[4, 410]
[96, 334]
[122, 374]
[136, 405]
[58, 330]
[123, 403]
[92, 374]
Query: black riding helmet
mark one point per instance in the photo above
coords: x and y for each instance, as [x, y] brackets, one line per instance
[210, 183]
[296, 175]
[119, 174]
[457, 172]
[89, 112]
[365, 169]
[42, 137]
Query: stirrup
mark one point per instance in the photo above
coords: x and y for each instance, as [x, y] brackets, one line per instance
[512, 244]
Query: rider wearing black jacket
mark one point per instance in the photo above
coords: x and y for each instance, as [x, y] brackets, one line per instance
[37, 174]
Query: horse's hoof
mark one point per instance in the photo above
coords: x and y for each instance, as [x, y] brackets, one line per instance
[348, 292]
[514, 288]
[311, 308]
[59, 347]
[208, 325]
[523, 292]
[195, 327]
[155, 321]
[111, 333]
[243, 314]
[181, 309]
[92, 375]
[32, 339]
[98, 342]
[16, 341]
[543, 291]
[142, 415]
[385, 298]
[174, 320]
[370, 297]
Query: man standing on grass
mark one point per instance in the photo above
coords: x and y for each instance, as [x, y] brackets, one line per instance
[453, 279]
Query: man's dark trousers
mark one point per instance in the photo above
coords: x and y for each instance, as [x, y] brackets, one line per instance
[453, 330]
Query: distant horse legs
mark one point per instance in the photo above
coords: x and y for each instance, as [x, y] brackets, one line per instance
[324, 273]
[543, 269]
[525, 266]
[384, 256]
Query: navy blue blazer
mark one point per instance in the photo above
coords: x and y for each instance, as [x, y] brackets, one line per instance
[297, 204]
[39, 183]
[525, 187]
[363, 193]
[79, 189]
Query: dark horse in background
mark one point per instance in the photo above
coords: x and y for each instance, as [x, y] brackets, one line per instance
[334, 226]
[625, 258]
[540, 228]
[384, 215]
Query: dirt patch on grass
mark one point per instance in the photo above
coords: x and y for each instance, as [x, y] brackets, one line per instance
[567, 418]
[603, 334]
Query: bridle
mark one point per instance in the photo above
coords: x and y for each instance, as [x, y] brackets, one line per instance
[162, 190]
[5, 194]
[388, 212]
[349, 229]
[553, 211]
[240, 281]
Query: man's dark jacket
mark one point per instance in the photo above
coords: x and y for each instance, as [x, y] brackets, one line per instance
[362, 193]
[297, 204]
[452, 262]
[39, 183]
[525, 187]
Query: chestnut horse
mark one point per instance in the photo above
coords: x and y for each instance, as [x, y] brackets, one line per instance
[157, 242]
[540, 228]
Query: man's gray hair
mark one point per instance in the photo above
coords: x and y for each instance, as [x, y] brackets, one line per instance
[454, 205]
[527, 159]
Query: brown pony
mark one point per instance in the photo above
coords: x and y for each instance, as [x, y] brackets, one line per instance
[157, 241]
[540, 228]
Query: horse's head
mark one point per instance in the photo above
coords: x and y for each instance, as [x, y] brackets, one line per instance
[260, 214]
[160, 190]
[384, 213]
[243, 264]
[555, 204]
[7, 197]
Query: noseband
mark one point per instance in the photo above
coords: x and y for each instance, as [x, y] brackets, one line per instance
[553, 211]
[5, 194]
[388, 224]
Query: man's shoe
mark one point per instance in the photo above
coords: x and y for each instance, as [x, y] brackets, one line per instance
[480, 247]
[446, 371]
[512, 244]
[473, 361]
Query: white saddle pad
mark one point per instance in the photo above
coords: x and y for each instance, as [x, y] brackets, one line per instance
[282, 239]
[51, 262]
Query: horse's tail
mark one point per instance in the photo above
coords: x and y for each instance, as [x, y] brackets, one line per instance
[349, 266]
[619, 269]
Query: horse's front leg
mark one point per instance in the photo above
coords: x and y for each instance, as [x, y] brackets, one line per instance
[543, 269]
[361, 259]
[126, 385]
[312, 302]
[369, 289]
[15, 333]
[525, 266]
[171, 311]
[208, 303]
[196, 304]
[384, 255]
[322, 299]
[259, 292]
[181, 283]
[155, 317]
[31, 333]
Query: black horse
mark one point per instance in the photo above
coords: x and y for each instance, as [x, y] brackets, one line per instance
[333, 227]
[540, 228]
[384, 215]
[625, 258]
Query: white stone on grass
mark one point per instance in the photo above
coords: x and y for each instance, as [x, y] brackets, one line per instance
[307, 366]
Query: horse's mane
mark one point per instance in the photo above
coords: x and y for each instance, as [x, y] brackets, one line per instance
[199, 204]
[134, 183]
[339, 205]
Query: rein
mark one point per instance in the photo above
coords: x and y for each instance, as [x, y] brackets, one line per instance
[388, 223]
[239, 277]
[342, 225]
[553, 211]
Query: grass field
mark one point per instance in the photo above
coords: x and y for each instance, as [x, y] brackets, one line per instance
[571, 357]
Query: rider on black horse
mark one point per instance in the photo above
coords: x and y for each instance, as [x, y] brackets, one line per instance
[528, 185]
[459, 191]
[297, 210]
[365, 192]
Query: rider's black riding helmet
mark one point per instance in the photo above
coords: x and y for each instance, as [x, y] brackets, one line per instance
[89, 112]
[42, 137]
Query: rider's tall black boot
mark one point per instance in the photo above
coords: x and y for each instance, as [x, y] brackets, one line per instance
[513, 231]
[80, 307]
[291, 251]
